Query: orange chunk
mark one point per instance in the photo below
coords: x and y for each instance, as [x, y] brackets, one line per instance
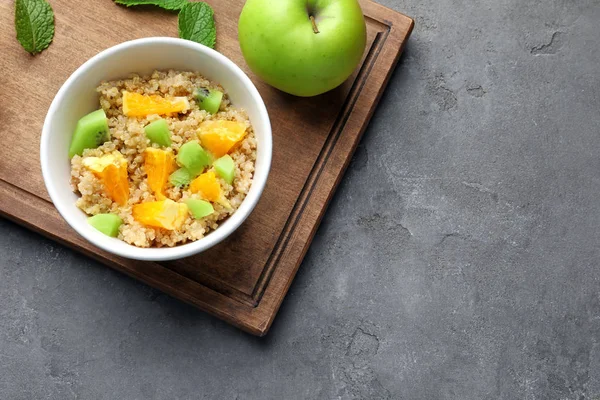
[165, 214]
[139, 105]
[219, 137]
[98, 164]
[207, 186]
[159, 165]
[112, 171]
[115, 182]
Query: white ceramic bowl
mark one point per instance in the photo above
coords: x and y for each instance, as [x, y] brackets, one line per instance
[78, 96]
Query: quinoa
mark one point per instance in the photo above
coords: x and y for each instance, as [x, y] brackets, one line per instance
[127, 136]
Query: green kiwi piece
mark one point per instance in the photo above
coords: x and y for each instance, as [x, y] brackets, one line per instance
[158, 132]
[180, 178]
[225, 167]
[91, 131]
[208, 99]
[106, 223]
[199, 208]
[193, 157]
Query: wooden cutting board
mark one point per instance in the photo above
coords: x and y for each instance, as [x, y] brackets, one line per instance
[244, 279]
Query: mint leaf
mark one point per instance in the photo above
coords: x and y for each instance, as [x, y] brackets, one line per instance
[166, 4]
[34, 23]
[197, 23]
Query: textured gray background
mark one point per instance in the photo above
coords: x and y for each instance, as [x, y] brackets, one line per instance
[458, 260]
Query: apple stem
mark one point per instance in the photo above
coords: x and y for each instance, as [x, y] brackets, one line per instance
[314, 24]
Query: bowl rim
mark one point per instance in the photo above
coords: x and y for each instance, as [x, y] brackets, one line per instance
[179, 251]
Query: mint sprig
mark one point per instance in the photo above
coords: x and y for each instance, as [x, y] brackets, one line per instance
[173, 5]
[34, 23]
[197, 23]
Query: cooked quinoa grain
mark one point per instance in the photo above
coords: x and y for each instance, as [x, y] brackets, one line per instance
[127, 136]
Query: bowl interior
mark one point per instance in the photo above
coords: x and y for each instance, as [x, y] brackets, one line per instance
[78, 97]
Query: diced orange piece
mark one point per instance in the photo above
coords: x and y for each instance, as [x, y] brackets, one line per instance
[165, 214]
[207, 186]
[97, 164]
[219, 137]
[115, 182]
[112, 170]
[139, 105]
[159, 165]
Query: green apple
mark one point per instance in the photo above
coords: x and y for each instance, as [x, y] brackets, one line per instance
[303, 47]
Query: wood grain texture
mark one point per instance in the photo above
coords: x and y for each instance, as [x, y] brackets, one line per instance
[244, 279]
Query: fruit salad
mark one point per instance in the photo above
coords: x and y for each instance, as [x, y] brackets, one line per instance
[164, 160]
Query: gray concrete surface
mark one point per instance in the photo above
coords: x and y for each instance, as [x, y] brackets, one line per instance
[459, 259]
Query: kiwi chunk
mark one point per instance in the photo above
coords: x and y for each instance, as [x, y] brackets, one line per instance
[180, 178]
[193, 157]
[106, 223]
[91, 131]
[225, 167]
[199, 208]
[208, 99]
[158, 132]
